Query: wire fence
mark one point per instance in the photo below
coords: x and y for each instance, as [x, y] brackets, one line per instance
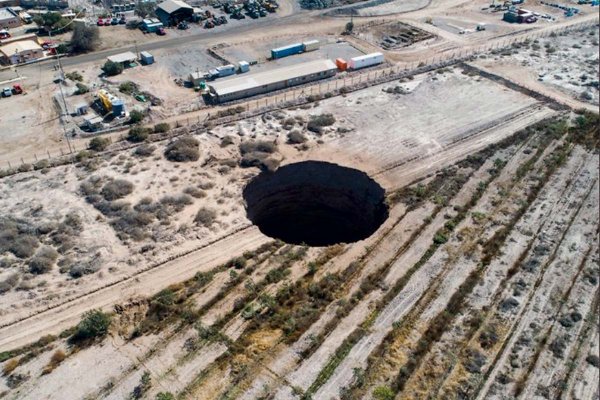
[207, 116]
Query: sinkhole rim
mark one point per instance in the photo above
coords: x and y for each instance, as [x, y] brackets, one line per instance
[315, 203]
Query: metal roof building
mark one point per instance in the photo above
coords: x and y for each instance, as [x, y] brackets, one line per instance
[123, 58]
[171, 12]
[267, 81]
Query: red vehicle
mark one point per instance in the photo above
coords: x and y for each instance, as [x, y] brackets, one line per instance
[17, 89]
[161, 31]
[107, 22]
[100, 22]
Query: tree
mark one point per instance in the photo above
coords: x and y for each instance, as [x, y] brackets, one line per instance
[112, 68]
[94, 324]
[85, 38]
[349, 27]
[145, 9]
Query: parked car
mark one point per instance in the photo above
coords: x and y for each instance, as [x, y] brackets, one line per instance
[107, 22]
[223, 19]
[6, 92]
[100, 22]
[161, 31]
[17, 89]
[114, 21]
[122, 21]
[209, 24]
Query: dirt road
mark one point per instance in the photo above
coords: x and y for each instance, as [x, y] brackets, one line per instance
[55, 320]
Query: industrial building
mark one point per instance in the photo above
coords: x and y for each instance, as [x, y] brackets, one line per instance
[9, 19]
[21, 52]
[171, 12]
[267, 81]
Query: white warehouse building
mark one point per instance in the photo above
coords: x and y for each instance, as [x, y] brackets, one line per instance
[268, 81]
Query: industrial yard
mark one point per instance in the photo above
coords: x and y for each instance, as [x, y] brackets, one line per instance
[296, 204]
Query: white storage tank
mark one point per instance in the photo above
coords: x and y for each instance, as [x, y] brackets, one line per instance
[365, 61]
[311, 45]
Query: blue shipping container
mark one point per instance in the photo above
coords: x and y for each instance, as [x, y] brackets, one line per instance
[287, 50]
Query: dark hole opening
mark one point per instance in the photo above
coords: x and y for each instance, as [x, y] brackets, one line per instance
[315, 203]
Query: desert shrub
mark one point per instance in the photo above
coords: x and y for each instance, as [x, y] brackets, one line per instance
[58, 357]
[43, 260]
[194, 192]
[116, 189]
[205, 216]
[9, 283]
[261, 146]
[128, 87]
[112, 68]
[81, 88]
[384, 393]
[317, 122]
[140, 390]
[10, 366]
[24, 246]
[226, 141]
[135, 116]
[83, 268]
[260, 160]
[98, 144]
[144, 150]
[138, 134]
[165, 396]
[183, 149]
[177, 203]
[593, 360]
[94, 325]
[132, 224]
[296, 137]
[162, 127]
[74, 76]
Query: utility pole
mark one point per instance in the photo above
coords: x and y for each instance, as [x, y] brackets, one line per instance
[62, 95]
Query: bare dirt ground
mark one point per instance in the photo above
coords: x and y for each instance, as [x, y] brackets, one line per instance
[482, 282]
[563, 63]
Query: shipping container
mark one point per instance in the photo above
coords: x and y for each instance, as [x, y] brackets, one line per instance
[311, 45]
[285, 51]
[365, 61]
[146, 58]
[244, 66]
[341, 64]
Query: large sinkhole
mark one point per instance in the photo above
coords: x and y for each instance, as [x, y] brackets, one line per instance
[315, 203]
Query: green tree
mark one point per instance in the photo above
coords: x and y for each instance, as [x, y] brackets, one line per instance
[349, 26]
[85, 38]
[98, 144]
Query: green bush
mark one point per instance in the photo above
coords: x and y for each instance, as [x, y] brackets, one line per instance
[98, 144]
[162, 127]
[74, 76]
[135, 116]
[138, 134]
[383, 393]
[94, 325]
[81, 88]
[165, 396]
[112, 68]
